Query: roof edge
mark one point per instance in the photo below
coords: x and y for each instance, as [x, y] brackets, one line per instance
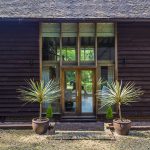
[76, 19]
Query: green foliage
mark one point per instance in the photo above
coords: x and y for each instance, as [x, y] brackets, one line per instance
[49, 112]
[119, 94]
[40, 92]
[109, 113]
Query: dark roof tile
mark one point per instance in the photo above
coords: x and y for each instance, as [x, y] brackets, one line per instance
[75, 8]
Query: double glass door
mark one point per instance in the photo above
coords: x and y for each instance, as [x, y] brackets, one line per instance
[78, 89]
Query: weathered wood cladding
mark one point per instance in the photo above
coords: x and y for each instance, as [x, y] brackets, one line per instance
[134, 63]
[19, 60]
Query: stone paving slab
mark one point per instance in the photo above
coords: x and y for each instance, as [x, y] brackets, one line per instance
[98, 135]
[79, 126]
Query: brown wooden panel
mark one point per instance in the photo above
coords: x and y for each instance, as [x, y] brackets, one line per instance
[19, 60]
[134, 63]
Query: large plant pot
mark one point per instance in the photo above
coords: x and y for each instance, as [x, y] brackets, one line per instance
[40, 126]
[122, 127]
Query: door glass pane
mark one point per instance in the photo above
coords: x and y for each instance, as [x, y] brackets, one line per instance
[70, 91]
[87, 91]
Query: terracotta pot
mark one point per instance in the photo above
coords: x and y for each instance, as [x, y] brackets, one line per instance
[122, 127]
[40, 126]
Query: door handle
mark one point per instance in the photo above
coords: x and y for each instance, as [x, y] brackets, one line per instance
[77, 94]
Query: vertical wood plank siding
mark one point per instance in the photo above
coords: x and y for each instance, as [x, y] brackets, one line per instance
[19, 60]
[134, 63]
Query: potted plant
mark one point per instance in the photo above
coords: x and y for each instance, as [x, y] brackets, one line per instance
[109, 114]
[119, 94]
[40, 92]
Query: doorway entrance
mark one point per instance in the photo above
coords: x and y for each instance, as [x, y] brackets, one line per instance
[78, 91]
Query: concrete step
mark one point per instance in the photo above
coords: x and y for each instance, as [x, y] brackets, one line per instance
[16, 125]
[78, 119]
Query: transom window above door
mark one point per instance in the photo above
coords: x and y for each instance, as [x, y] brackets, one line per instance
[78, 43]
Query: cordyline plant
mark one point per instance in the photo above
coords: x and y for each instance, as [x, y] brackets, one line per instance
[119, 94]
[40, 92]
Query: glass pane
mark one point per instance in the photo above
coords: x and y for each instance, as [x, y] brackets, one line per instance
[51, 48]
[69, 29]
[50, 29]
[87, 49]
[69, 49]
[87, 29]
[104, 73]
[105, 48]
[87, 91]
[70, 91]
[105, 29]
[107, 74]
[49, 73]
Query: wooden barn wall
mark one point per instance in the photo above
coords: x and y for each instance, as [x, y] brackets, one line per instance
[19, 61]
[134, 63]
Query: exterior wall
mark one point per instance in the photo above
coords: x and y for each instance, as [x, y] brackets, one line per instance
[19, 60]
[134, 63]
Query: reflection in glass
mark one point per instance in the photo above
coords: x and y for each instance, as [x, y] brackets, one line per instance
[87, 49]
[49, 73]
[87, 91]
[70, 91]
[69, 49]
[107, 74]
[51, 48]
[105, 48]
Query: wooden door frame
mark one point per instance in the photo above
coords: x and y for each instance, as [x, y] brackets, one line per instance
[78, 79]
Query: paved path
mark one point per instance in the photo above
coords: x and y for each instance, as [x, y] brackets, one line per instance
[79, 126]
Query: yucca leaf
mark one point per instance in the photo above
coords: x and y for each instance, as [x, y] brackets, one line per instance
[117, 93]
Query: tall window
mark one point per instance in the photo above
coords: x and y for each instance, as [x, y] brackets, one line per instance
[69, 49]
[87, 49]
[75, 43]
[107, 74]
[87, 42]
[51, 73]
[51, 48]
[105, 48]
[69, 42]
[105, 41]
[51, 41]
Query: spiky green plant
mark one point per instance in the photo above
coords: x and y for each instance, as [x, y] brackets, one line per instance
[49, 112]
[109, 113]
[40, 92]
[119, 94]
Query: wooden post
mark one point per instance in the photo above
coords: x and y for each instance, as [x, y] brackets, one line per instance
[78, 44]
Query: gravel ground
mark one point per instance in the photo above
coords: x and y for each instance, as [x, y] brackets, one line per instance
[28, 140]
